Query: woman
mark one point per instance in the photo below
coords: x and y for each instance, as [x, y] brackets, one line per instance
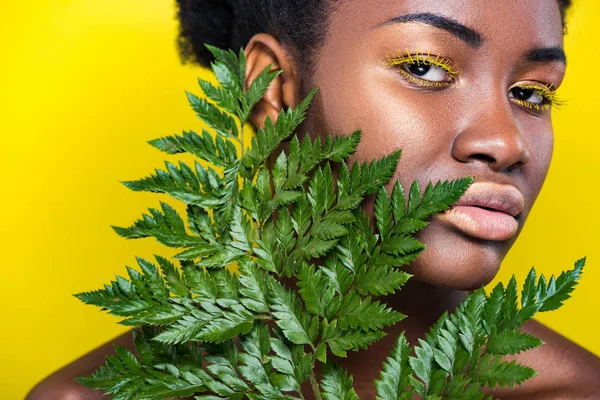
[464, 88]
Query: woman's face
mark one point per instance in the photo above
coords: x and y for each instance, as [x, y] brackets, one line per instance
[474, 105]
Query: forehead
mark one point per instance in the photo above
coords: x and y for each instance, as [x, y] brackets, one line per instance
[529, 23]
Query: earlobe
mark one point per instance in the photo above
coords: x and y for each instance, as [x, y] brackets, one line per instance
[264, 50]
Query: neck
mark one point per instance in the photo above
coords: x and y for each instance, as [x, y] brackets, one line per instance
[424, 302]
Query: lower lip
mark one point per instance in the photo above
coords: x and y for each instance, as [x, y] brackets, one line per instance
[482, 223]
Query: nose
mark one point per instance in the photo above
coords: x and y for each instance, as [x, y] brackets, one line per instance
[494, 138]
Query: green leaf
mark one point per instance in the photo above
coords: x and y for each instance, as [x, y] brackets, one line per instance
[318, 247]
[240, 231]
[511, 342]
[183, 330]
[166, 226]
[321, 352]
[271, 135]
[380, 280]
[257, 89]
[340, 148]
[559, 290]
[509, 309]
[374, 174]
[183, 184]
[224, 99]
[315, 290]
[393, 380]
[339, 276]
[401, 245]
[491, 372]
[254, 361]
[217, 151]
[226, 75]
[230, 325]
[352, 340]
[436, 198]
[173, 277]
[398, 202]
[528, 292]
[220, 121]
[288, 314]
[383, 211]
[254, 288]
[362, 312]
[422, 366]
[493, 308]
[336, 384]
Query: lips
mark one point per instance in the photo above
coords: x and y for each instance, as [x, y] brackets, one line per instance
[487, 211]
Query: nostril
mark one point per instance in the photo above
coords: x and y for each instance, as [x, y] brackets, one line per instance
[515, 166]
[483, 157]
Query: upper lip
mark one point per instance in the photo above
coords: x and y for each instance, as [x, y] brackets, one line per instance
[494, 196]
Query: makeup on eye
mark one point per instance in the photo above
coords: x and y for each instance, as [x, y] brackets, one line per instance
[434, 71]
[423, 69]
[537, 97]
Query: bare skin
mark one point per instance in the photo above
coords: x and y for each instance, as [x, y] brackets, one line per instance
[471, 127]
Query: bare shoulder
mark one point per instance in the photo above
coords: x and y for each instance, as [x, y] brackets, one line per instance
[60, 384]
[566, 370]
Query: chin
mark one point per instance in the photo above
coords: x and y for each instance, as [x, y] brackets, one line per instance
[455, 260]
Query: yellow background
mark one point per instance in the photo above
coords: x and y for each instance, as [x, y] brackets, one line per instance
[83, 84]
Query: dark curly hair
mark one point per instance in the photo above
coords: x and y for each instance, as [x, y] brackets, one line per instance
[231, 23]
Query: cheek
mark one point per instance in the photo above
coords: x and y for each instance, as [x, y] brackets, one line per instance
[390, 117]
[545, 144]
[540, 142]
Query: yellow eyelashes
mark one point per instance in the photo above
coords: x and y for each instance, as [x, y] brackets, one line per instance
[423, 69]
[431, 71]
[538, 97]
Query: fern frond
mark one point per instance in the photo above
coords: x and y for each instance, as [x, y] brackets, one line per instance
[393, 382]
[217, 151]
[201, 330]
[336, 384]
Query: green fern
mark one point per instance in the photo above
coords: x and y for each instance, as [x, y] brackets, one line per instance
[203, 331]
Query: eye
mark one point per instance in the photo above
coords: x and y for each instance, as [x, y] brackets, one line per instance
[537, 98]
[529, 95]
[424, 69]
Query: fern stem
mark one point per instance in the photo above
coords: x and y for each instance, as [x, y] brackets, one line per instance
[256, 228]
[242, 141]
[315, 386]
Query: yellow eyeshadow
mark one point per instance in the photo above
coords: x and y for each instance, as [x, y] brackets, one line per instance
[422, 82]
[546, 91]
[422, 58]
[399, 58]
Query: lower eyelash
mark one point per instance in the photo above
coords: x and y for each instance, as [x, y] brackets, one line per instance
[422, 82]
[534, 106]
[399, 59]
[547, 92]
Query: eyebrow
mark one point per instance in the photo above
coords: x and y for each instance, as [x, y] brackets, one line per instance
[474, 38]
[462, 32]
[546, 54]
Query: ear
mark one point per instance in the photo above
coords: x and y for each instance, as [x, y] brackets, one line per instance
[262, 50]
